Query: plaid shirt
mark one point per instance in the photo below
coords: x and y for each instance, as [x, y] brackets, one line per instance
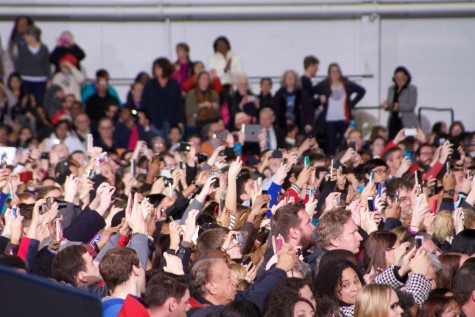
[416, 284]
[347, 311]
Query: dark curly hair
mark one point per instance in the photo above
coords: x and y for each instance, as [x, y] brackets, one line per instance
[285, 291]
[328, 280]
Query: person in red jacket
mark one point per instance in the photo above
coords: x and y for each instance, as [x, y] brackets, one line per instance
[166, 296]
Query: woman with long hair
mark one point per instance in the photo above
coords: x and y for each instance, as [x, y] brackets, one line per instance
[202, 104]
[451, 262]
[339, 96]
[183, 66]
[440, 306]
[16, 36]
[382, 249]
[292, 104]
[33, 63]
[401, 102]
[162, 98]
[378, 300]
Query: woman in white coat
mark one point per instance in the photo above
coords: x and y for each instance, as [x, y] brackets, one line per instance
[225, 62]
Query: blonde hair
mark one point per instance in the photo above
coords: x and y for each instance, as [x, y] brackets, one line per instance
[443, 225]
[469, 218]
[239, 270]
[400, 232]
[373, 301]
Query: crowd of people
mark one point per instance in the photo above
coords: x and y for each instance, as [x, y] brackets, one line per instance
[197, 197]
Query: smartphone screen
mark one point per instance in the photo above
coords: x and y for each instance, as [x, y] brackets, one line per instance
[90, 142]
[419, 241]
[306, 161]
[371, 205]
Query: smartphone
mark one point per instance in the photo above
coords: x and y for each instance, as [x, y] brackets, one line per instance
[58, 230]
[171, 219]
[396, 199]
[410, 132]
[379, 189]
[133, 167]
[259, 182]
[408, 154]
[352, 145]
[184, 147]
[332, 167]
[279, 244]
[238, 237]
[419, 241]
[371, 177]
[26, 177]
[182, 165]
[353, 124]
[221, 204]
[220, 135]
[246, 260]
[442, 141]
[90, 142]
[371, 205]
[47, 206]
[13, 202]
[170, 190]
[306, 161]
[284, 162]
[418, 181]
[447, 166]
[216, 176]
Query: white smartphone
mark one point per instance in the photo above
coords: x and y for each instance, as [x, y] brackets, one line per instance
[410, 132]
[90, 142]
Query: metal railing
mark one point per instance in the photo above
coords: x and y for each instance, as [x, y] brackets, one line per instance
[253, 80]
[419, 112]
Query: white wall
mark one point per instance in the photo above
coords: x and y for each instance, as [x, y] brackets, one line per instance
[438, 52]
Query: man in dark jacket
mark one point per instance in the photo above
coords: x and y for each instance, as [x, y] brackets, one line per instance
[213, 285]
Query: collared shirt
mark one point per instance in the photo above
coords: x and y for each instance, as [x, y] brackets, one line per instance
[271, 139]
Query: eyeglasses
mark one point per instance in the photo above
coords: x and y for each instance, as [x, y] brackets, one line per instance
[380, 172]
[395, 305]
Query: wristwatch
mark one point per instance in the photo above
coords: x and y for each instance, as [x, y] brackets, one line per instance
[450, 192]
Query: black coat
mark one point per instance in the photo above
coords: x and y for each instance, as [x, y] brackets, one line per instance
[303, 109]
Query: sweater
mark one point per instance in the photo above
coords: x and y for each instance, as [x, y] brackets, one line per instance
[164, 104]
[60, 51]
[33, 65]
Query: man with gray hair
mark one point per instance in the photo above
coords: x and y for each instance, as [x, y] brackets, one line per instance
[213, 285]
[272, 136]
